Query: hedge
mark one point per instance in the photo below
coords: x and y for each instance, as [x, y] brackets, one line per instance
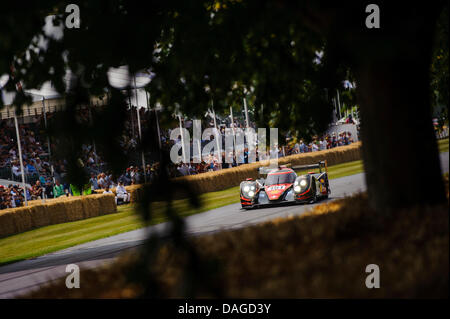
[54, 211]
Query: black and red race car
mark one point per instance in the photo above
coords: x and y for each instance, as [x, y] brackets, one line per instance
[283, 185]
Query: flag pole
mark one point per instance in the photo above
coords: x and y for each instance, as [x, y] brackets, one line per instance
[219, 151]
[232, 129]
[52, 171]
[156, 116]
[339, 103]
[157, 126]
[20, 159]
[246, 112]
[139, 129]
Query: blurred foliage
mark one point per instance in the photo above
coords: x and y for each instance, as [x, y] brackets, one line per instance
[440, 83]
[255, 47]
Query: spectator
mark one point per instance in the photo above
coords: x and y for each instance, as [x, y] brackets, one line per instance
[16, 170]
[93, 182]
[58, 190]
[107, 190]
[350, 120]
[127, 177]
[29, 168]
[314, 147]
[38, 164]
[42, 179]
[36, 191]
[297, 148]
[180, 169]
[322, 144]
[48, 189]
[121, 193]
[101, 181]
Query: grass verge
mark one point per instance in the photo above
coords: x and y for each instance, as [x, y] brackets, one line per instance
[443, 145]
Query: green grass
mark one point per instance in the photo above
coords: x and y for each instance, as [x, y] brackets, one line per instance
[443, 145]
[48, 239]
[341, 170]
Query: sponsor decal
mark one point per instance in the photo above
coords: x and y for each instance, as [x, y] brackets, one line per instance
[275, 191]
[276, 187]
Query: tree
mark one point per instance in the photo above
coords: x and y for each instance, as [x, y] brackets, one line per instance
[392, 67]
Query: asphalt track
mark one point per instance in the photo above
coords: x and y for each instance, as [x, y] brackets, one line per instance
[24, 276]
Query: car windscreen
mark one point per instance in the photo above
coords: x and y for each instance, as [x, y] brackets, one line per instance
[280, 178]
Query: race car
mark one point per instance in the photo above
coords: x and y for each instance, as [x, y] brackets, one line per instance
[282, 185]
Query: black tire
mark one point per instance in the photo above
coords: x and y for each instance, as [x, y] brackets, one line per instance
[328, 192]
[314, 197]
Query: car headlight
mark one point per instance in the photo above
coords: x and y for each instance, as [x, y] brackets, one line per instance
[252, 188]
[251, 193]
[303, 183]
[297, 189]
[246, 188]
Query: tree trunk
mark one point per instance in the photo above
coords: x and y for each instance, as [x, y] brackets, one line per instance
[400, 151]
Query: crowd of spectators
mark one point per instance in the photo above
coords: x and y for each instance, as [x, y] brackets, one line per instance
[212, 163]
[34, 151]
[319, 144]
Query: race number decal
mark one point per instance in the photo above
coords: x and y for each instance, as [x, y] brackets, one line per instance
[276, 187]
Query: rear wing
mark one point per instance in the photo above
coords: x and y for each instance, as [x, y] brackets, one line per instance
[264, 170]
[319, 165]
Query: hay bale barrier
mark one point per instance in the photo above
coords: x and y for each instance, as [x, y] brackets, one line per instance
[22, 219]
[107, 204]
[7, 225]
[39, 216]
[74, 209]
[55, 211]
[91, 207]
